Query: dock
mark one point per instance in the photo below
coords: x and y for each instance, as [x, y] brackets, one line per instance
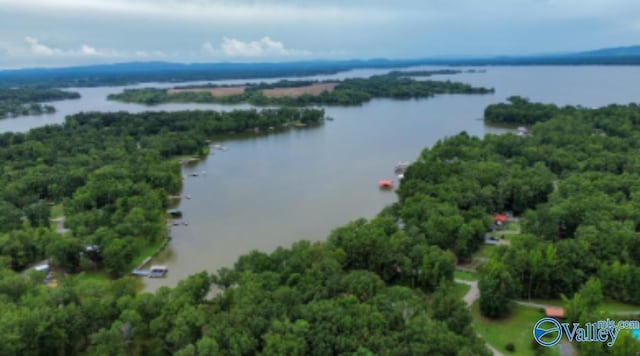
[401, 167]
[140, 272]
[189, 160]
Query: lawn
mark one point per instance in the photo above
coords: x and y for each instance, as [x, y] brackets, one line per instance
[92, 276]
[57, 211]
[146, 252]
[465, 275]
[96, 276]
[512, 226]
[460, 289]
[516, 329]
[613, 306]
[485, 251]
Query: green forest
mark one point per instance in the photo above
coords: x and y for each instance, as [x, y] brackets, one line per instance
[113, 173]
[355, 91]
[27, 101]
[382, 286]
[519, 110]
[587, 226]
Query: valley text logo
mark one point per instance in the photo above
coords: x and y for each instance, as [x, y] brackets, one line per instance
[549, 331]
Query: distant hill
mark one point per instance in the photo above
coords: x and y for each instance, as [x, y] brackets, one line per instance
[630, 51]
[136, 72]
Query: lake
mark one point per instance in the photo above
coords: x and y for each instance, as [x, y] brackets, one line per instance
[272, 190]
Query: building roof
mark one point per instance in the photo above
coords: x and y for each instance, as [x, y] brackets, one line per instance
[500, 218]
[40, 268]
[554, 312]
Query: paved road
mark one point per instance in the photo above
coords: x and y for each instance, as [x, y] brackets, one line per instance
[60, 229]
[472, 295]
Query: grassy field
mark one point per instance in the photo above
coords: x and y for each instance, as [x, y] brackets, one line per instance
[217, 92]
[516, 329]
[313, 89]
[466, 276]
[57, 211]
[460, 289]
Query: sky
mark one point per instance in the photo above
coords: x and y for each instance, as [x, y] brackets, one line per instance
[43, 33]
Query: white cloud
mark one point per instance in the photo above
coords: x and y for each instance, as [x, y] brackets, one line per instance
[38, 48]
[35, 47]
[264, 47]
[208, 47]
[88, 50]
[149, 54]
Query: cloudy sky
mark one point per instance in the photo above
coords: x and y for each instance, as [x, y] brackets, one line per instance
[69, 32]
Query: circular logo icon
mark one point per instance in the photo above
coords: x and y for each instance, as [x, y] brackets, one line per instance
[547, 326]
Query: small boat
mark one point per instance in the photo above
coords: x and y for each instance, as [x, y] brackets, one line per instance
[522, 131]
[158, 271]
[328, 118]
[193, 174]
[400, 176]
[187, 196]
[385, 183]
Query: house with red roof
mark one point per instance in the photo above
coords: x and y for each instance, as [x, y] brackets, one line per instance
[500, 219]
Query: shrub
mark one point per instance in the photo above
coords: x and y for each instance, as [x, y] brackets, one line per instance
[510, 347]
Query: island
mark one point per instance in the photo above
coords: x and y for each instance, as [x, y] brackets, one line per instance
[28, 101]
[354, 91]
